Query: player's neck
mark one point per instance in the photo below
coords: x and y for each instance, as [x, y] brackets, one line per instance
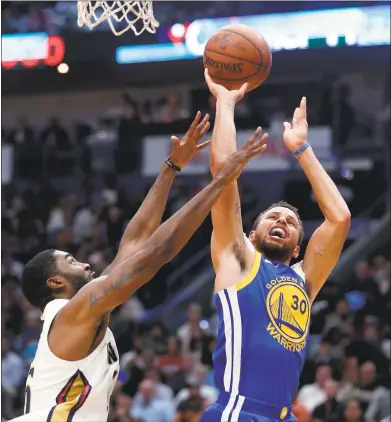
[286, 261]
[62, 295]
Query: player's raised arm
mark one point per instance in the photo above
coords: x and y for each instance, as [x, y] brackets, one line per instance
[226, 213]
[148, 217]
[325, 245]
[105, 293]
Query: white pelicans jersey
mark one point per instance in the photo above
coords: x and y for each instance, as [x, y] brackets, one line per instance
[64, 391]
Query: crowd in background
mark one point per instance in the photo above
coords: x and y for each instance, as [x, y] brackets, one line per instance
[167, 375]
[61, 150]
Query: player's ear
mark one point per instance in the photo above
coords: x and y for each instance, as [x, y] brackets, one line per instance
[296, 252]
[251, 236]
[56, 284]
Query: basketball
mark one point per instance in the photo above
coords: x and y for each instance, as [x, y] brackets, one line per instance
[238, 54]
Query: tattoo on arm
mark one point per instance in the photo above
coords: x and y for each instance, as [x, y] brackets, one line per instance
[237, 207]
[319, 251]
[116, 284]
[168, 249]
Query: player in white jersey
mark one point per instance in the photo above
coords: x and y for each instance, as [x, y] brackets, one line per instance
[76, 363]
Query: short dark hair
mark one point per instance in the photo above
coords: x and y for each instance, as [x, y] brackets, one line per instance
[34, 278]
[284, 205]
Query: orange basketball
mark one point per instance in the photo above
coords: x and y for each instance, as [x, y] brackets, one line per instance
[238, 54]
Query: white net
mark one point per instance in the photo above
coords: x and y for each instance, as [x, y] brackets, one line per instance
[121, 15]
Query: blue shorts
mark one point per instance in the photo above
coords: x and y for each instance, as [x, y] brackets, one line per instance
[240, 409]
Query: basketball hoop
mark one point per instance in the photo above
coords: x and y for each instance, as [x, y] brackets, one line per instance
[135, 14]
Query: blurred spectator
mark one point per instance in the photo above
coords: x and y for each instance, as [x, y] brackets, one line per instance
[345, 114]
[170, 109]
[122, 408]
[382, 275]
[361, 290]
[171, 362]
[30, 335]
[59, 151]
[191, 408]
[83, 224]
[191, 333]
[197, 377]
[27, 152]
[150, 408]
[367, 384]
[12, 369]
[156, 339]
[353, 412]
[313, 395]
[379, 406]
[129, 146]
[329, 410]
[341, 318]
[162, 391]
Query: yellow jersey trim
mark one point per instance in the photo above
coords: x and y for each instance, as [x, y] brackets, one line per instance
[253, 272]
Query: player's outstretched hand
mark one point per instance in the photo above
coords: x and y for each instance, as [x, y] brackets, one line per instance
[220, 92]
[256, 145]
[295, 134]
[183, 150]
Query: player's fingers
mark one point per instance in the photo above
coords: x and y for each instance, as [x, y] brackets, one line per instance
[208, 79]
[254, 136]
[262, 139]
[204, 145]
[203, 123]
[243, 88]
[175, 140]
[295, 116]
[287, 126]
[195, 122]
[203, 130]
[257, 151]
[303, 107]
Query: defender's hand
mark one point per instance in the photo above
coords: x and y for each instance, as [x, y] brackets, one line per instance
[256, 145]
[295, 134]
[184, 149]
[220, 92]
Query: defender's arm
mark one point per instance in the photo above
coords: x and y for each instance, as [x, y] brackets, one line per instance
[102, 295]
[148, 217]
[79, 319]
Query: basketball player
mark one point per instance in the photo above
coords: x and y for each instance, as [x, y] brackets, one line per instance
[76, 363]
[263, 303]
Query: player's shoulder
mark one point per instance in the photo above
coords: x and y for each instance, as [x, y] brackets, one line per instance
[52, 308]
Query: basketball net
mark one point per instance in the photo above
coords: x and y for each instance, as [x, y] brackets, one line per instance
[135, 14]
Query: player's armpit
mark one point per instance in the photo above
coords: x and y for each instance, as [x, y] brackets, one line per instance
[323, 252]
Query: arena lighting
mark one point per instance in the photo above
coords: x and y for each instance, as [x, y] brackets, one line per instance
[63, 68]
[30, 50]
[177, 32]
[356, 26]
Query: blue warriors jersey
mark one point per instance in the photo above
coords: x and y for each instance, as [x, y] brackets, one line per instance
[262, 336]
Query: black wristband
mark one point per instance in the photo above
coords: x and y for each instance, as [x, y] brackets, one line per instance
[172, 165]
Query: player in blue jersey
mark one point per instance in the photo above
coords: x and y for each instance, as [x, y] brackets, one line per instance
[264, 303]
